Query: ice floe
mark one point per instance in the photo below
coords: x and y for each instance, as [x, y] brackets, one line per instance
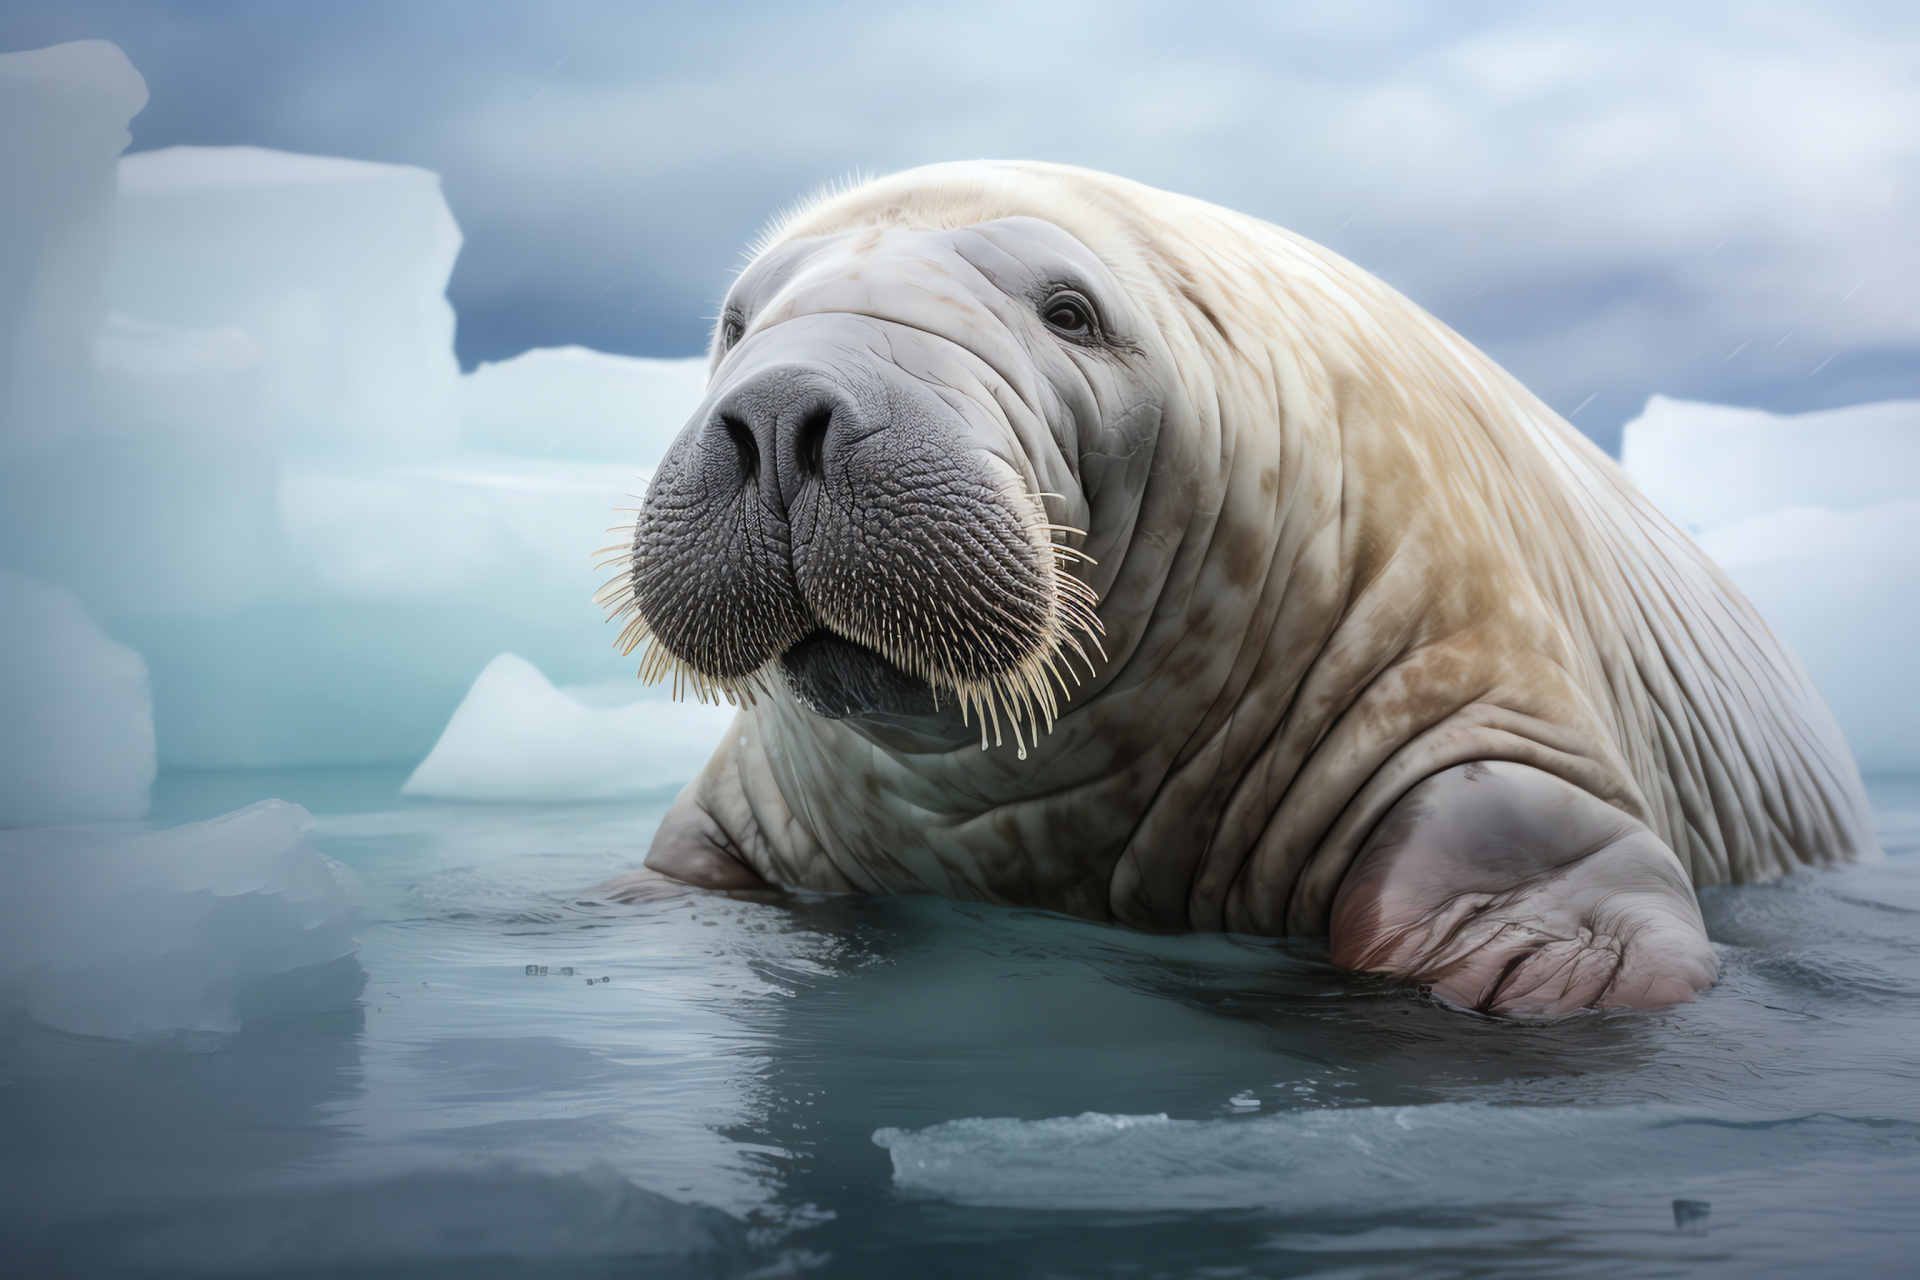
[136, 934]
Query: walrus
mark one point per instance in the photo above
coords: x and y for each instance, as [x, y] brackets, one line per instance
[1074, 545]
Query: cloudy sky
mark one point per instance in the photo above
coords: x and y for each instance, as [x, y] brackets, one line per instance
[1718, 201]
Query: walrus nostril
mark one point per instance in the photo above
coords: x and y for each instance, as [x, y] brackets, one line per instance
[812, 437]
[743, 444]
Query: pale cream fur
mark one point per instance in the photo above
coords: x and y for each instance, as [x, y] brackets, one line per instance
[1360, 553]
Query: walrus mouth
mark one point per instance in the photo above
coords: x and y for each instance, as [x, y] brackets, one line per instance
[835, 677]
[1005, 661]
[846, 533]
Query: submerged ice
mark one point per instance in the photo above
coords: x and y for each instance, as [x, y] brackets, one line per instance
[147, 933]
[1355, 1159]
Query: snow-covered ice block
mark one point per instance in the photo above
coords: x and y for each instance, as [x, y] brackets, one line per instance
[63, 125]
[137, 934]
[1707, 465]
[76, 719]
[572, 403]
[338, 268]
[518, 738]
[1842, 588]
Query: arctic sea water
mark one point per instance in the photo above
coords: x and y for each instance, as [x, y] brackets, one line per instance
[527, 1080]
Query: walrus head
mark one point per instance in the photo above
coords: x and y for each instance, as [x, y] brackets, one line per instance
[860, 503]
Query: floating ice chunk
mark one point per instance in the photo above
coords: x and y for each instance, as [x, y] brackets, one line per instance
[569, 403]
[518, 738]
[76, 719]
[1842, 588]
[1357, 1160]
[63, 125]
[338, 268]
[140, 934]
[1707, 465]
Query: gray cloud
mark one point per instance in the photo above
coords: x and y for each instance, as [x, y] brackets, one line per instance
[1708, 200]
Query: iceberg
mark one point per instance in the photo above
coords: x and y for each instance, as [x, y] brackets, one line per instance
[517, 737]
[569, 403]
[76, 720]
[396, 584]
[132, 935]
[1843, 589]
[159, 500]
[63, 125]
[1816, 517]
[262, 468]
[1707, 465]
[517, 533]
[338, 268]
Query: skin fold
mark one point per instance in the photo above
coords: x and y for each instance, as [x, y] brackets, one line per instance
[1384, 651]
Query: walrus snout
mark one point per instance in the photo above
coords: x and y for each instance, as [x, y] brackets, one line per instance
[830, 514]
[769, 431]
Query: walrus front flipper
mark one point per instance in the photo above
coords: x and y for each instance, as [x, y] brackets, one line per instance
[692, 848]
[1510, 891]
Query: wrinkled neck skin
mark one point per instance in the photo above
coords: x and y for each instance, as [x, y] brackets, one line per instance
[1332, 553]
[1215, 550]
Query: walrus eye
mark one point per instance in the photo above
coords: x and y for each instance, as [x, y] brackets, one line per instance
[730, 331]
[1068, 314]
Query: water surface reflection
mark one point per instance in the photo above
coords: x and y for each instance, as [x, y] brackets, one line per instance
[701, 1094]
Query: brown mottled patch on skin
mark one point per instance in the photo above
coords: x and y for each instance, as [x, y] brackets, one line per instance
[1340, 553]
